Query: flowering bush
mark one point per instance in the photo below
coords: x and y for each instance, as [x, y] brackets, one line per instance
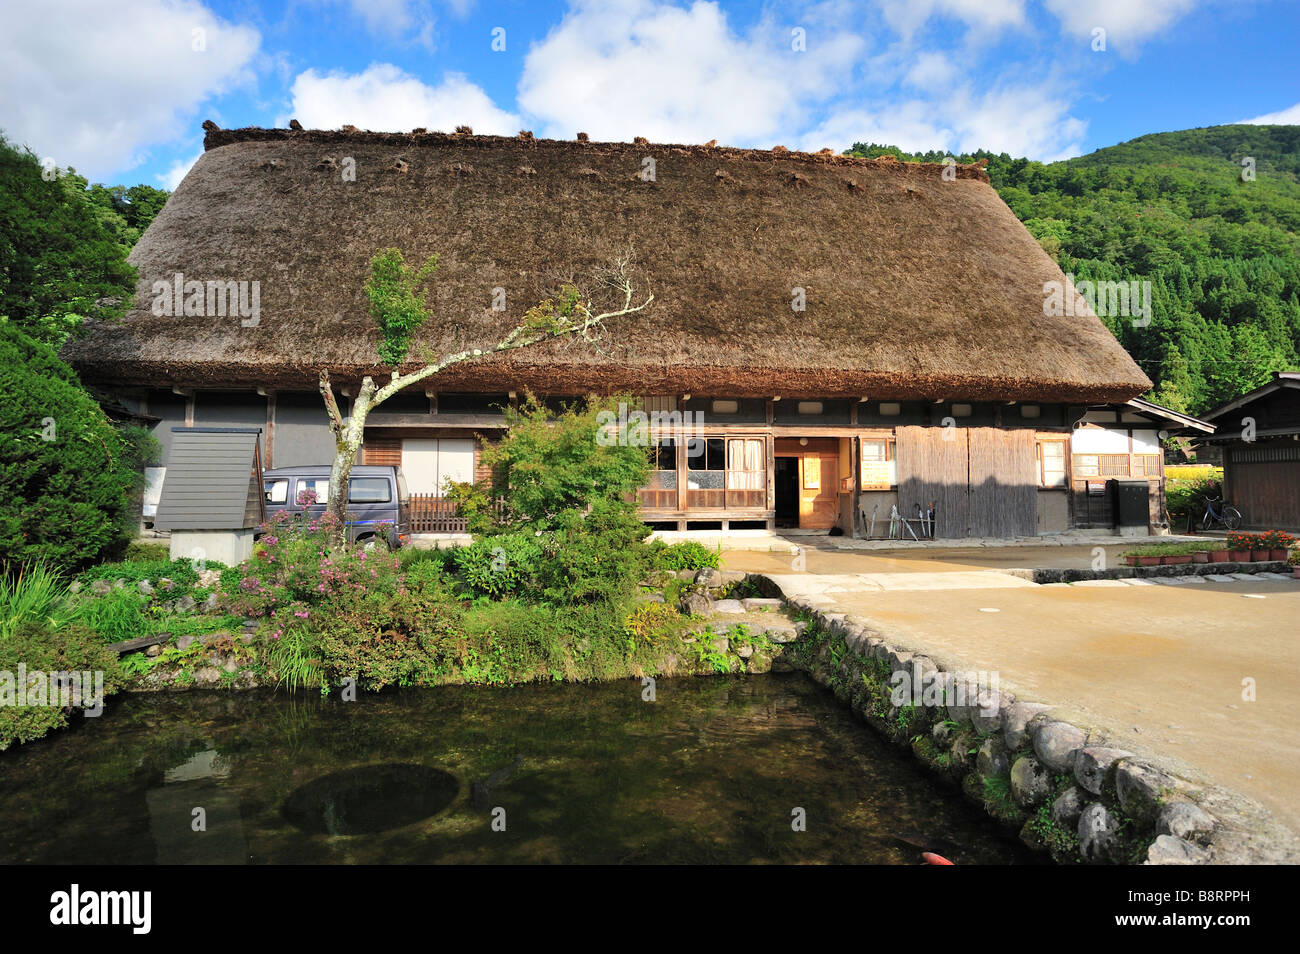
[294, 570]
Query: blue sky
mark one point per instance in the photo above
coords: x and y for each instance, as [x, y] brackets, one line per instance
[118, 90]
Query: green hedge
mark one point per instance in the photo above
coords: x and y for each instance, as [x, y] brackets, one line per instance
[66, 482]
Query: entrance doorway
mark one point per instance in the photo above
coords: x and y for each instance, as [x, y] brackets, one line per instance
[786, 489]
[811, 478]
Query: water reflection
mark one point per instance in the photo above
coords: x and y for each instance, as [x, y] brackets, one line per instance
[373, 798]
[709, 772]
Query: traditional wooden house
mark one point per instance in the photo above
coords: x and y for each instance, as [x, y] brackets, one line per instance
[1259, 434]
[842, 335]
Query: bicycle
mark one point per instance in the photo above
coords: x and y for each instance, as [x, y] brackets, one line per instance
[1228, 517]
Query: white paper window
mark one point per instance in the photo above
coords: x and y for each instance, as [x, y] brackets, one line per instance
[726, 407]
[428, 463]
[1097, 440]
[1146, 442]
[961, 410]
[809, 407]
[890, 408]
[879, 469]
[1030, 410]
[1051, 462]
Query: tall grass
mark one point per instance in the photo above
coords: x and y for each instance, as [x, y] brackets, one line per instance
[33, 594]
[117, 616]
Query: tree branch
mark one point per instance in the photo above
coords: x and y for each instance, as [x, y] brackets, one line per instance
[331, 406]
[583, 324]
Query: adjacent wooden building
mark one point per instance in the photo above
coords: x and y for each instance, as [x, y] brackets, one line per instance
[830, 337]
[1259, 434]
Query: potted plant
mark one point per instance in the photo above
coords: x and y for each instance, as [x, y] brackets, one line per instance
[1294, 561]
[1239, 547]
[1176, 555]
[1278, 543]
[1219, 554]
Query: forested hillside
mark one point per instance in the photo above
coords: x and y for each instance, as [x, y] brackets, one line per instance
[1222, 251]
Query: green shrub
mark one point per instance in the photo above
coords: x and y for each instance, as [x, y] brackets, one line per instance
[498, 566]
[147, 552]
[571, 490]
[380, 641]
[653, 623]
[41, 648]
[66, 481]
[1184, 495]
[413, 556]
[596, 557]
[686, 555]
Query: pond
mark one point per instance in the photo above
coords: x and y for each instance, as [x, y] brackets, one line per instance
[711, 771]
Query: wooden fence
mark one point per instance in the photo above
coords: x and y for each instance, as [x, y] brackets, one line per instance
[431, 513]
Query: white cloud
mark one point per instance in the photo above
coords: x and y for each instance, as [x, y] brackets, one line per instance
[384, 98]
[932, 72]
[92, 84]
[910, 126]
[170, 179]
[1283, 117]
[907, 16]
[624, 68]
[1020, 120]
[397, 19]
[1023, 121]
[1127, 22]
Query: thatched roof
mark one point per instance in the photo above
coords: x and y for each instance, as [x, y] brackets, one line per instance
[916, 286]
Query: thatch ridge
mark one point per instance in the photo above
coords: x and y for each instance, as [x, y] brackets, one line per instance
[917, 287]
[214, 138]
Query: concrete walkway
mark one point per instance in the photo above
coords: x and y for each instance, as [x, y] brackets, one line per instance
[1156, 667]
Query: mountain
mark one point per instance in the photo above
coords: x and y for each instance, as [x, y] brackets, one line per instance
[1210, 217]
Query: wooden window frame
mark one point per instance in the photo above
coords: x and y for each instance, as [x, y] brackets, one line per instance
[1041, 461]
[891, 454]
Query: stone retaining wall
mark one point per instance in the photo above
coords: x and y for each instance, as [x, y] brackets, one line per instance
[1061, 788]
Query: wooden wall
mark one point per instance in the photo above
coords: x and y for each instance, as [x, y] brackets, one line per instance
[982, 481]
[1003, 483]
[931, 469]
[1262, 480]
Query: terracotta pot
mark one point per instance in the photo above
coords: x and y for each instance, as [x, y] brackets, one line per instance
[1238, 556]
[1259, 556]
[1277, 553]
[1218, 556]
[1200, 556]
[1295, 571]
[1131, 560]
[1176, 559]
[1149, 561]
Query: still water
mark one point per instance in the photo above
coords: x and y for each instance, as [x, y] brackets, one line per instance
[712, 771]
